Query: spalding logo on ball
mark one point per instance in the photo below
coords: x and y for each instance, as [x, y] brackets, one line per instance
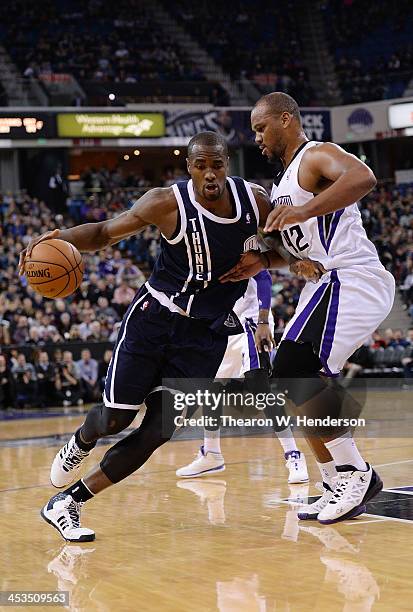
[54, 268]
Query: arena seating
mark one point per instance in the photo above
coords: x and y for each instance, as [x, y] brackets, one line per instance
[103, 45]
[270, 53]
[372, 46]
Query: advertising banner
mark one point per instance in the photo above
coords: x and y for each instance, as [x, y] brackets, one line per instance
[370, 120]
[235, 125]
[110, 125]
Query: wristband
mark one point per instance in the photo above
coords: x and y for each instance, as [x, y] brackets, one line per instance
[262, 323]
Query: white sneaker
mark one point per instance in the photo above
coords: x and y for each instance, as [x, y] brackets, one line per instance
[66, 464]
[297, 467]
[63, 513]
[310, 511]
[353, 490]
[205, 464]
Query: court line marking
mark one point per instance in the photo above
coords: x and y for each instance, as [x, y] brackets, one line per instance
[397, 491]
[388, 518]
[378, 465]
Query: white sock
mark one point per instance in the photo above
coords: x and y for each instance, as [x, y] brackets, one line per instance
[328, 471]
[212, 441]
[345, 452]
[287, 440]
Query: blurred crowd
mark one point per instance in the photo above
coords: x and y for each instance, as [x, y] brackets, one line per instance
[51, 381]
[388, 218]
[372, 44]
[93, 313]
[110, 281]
[267, 51]
[97, 40]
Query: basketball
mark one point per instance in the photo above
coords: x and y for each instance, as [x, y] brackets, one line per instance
[54, 269]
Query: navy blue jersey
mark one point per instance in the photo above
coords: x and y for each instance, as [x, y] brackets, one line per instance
[203, 247]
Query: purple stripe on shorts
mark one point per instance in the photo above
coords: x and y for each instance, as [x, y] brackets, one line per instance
[330, 329]
[252, 349]
[320, 221]
[302, 318]
[334, 223]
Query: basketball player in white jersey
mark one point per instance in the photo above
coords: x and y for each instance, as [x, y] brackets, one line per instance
[243, 355]
[316, 212]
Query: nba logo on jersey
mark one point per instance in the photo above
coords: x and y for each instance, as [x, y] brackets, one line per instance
[248, 218]
[251, 244]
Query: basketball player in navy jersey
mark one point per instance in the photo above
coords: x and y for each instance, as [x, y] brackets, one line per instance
[178, 324]
[315, 210]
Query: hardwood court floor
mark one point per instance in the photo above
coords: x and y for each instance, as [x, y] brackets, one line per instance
[227, 543]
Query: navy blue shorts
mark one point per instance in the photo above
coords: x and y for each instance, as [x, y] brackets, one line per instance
[154, 344]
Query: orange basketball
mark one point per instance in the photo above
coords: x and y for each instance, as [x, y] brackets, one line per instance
[54, 269]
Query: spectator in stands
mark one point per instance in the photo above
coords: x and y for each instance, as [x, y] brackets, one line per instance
[4, 332]
[131, 274]
[84, 327]
[46, 376]
[63, 324]
[88, 372]
[398, 339]
[122, 297]
[7, 385]
[407, 363]
[377, 341]
[25, 382]
[68, 381]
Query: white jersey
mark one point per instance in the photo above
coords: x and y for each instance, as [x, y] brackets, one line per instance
[336, 240]
[349, 302]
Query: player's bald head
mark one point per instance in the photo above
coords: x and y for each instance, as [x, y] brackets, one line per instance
[277, 103]
[208, 140]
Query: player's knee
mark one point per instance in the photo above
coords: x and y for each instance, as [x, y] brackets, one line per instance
[114, 420]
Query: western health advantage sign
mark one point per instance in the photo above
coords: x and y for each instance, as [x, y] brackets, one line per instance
[110, 125]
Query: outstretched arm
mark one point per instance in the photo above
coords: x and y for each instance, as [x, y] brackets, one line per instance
[158, 207]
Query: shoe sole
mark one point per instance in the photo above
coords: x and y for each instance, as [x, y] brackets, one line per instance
[298, 481]
[209, 472]
[375, 490]
[349, 515]
[306, 516]
[86, 538]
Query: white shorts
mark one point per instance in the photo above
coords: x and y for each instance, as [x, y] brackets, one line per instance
[241, 354]
[340, 312]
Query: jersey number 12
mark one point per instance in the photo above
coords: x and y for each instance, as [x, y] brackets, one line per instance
[295, 234]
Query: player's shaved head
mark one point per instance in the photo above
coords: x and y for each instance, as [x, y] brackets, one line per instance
[277, 124]
[278, 103]
[208, 139]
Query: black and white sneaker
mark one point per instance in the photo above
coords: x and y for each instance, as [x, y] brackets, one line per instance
[311, 511]
[353, 490]
[66, 464]
[63, 513]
